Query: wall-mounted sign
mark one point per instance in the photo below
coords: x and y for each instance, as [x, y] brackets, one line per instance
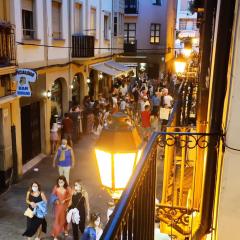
[23, 78]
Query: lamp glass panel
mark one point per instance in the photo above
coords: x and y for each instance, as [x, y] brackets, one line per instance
[139, 154]
[123, 168]
[104, 160]
[187, 52]
[180, 67]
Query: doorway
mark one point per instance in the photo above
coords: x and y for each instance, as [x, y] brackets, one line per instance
[31, 131]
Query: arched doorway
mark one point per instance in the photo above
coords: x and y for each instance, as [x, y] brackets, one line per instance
[91, 83]
[77, 89]
[57, 98]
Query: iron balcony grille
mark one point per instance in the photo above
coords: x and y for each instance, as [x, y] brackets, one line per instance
[82, 46]
[7, 44]
[131, 7]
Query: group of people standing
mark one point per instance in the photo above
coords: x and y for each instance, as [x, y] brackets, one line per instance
[144, 100]
[70, 207]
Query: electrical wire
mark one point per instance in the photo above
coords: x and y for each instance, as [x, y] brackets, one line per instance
[227, 146]
[108, 48]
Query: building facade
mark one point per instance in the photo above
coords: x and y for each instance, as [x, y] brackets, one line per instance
[149, 34]
[186, 24]
[62, 40]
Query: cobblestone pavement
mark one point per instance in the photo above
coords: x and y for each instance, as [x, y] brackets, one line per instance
[12, 202]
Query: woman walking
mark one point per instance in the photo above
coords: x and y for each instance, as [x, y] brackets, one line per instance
[80, 202]
[94, 230]
[36, 224]
[62, 195]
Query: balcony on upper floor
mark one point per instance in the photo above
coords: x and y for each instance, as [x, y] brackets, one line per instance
[131, 6]
[7, 45]
[82, 46]
[130, 47]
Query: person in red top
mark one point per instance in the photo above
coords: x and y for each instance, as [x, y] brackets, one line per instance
[67, 128]
[146, 124]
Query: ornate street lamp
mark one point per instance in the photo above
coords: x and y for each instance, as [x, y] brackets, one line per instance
[187, 50]
[118, 150]
[180, 64]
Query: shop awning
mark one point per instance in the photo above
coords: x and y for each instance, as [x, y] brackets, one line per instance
[111, 68]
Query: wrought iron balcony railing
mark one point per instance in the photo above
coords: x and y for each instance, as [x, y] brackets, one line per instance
[7, 45]
[182, 150]
[131, 6]
[83, 46]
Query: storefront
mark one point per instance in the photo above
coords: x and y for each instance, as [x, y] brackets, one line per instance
[77, 87]
[56, 98]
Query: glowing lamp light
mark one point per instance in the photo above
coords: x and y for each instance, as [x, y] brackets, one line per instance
[118, 151]
[100, 75]
[47, 94]
[88, 80]
[187, 48]
[180, 64]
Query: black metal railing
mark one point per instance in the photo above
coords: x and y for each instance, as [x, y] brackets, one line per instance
[83, 46]
[7, 44]
[130, 46]
[131, 6]
[179, 210]
[135, 214]
[133, 217]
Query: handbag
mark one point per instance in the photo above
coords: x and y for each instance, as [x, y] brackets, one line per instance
[29, 213]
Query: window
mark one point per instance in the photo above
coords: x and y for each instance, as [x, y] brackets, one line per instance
[93, 22]
[27, 19]
[157, 2]
[187, 24]
[78, 18]
[106, 27]
[115, 25]
[56, 19]
[155, 33]
[130, 32]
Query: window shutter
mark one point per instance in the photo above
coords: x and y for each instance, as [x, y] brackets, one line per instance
[78, 18]
[56, 19]
[27, 5]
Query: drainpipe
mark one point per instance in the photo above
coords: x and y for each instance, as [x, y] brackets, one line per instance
[217, 95]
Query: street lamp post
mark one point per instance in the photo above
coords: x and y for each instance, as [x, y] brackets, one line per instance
[180, 64]
[118, 150]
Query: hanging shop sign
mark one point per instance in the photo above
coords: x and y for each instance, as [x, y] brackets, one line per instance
[24, 77]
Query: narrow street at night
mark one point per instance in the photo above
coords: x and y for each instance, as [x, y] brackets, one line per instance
[12, 202]
[119, 119]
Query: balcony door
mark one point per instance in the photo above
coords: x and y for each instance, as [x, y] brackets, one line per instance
[130, 33]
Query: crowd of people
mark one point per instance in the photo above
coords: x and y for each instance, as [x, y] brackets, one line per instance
[148, 104]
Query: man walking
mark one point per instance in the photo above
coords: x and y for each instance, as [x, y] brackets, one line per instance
[67, 128]
[64, 158]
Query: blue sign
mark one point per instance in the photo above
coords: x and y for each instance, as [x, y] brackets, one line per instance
[24, 77]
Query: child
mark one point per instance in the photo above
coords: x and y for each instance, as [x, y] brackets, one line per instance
[145, 115]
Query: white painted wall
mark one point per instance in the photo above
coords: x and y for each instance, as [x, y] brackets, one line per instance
[149, 13]
[229, 203]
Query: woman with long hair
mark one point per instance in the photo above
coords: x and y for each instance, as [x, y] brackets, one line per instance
[35, 224]
[80, 202]
[62, 194]
[94, 230]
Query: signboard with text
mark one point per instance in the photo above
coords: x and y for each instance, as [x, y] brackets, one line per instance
[24, 77]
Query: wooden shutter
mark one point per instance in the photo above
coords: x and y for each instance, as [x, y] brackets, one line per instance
[56, 19]
[27, 5]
